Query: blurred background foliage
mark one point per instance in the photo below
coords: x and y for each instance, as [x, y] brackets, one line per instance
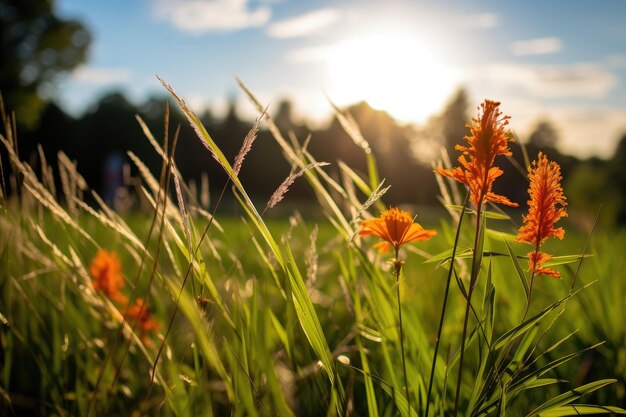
[37, 47]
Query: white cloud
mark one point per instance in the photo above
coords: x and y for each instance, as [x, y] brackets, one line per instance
[310, 54]
[577, 80]
[198, 16]
[483, 20]
[539, 46]
[303, 25]
[100, 76]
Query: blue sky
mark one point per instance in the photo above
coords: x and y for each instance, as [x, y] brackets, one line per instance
[562, 60]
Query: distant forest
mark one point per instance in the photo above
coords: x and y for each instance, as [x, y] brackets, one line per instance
[99, 140]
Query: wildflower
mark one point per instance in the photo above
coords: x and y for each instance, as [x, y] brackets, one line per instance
[489, 137]
[107, 278]
[396, 228]
[545, 208]
[139, 315]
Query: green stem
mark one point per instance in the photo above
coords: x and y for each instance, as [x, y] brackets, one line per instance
[532, 277]
[472, 285]
[397, 267]
[497, 370]
[443, 307]
[530, 293]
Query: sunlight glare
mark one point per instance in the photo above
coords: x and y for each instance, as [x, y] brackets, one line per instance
[394, 72]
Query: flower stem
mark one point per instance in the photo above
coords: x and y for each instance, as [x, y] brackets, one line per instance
[472, 285]
[530, 293]
[443, 307]
[397, 268]
[532, 281]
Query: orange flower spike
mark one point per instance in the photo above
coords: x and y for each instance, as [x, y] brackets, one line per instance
[105, 270]
[396, 228]
[489, 137]
[545, 207]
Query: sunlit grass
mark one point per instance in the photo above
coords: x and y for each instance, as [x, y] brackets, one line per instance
[264, 314]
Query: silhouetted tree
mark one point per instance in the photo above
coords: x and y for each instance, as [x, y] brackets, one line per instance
[390, 144]
[589, 186]
[108, 128]
[617, 178]
[35, 47]
[454, 118]
[544, 135]
[445, 129]
[284, 115]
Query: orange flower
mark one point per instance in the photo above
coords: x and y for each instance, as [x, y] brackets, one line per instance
[396, 228]
[107, 278]
[545, 208]
[489, 137]
[139, 314]
[536, 259]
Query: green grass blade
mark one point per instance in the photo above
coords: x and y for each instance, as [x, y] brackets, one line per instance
[580, 410]
[372, 171]
[370, 394]
[566, 259]
[522, 328]
[478, 256]
[204, 340]
[550, 366]
[571, 395]
[488, 214]
[356, 179]
[485, 348]
[461, 253]
[518, 269]
[308, 317]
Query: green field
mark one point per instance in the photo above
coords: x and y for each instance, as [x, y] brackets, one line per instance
[272, 314]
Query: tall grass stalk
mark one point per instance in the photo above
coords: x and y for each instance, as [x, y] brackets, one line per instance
[397, 268]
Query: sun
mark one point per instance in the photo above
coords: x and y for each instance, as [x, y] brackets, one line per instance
[392, 71]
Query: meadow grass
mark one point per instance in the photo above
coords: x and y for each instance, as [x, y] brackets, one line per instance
[259, 314]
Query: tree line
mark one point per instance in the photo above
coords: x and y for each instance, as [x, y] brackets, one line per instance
[404, 152]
